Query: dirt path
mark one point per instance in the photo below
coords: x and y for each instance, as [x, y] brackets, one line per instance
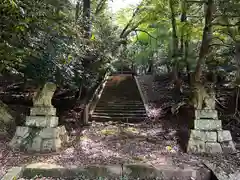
[106, 143]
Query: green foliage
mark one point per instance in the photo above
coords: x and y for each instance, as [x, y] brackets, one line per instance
[153, 17]
[44, 41]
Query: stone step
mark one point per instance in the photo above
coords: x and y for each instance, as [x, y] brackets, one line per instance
[118, 98]
[120, 110]
[132, 96]
[129, 83]
[130, 171]
[102, 103]
[120, 102]
[120, 90]
[118, 119]
[120, 105]
[127, 114]
[109, 171]
[117, 88]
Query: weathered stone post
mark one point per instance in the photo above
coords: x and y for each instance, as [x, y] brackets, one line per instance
[207, 135]
[41, 132]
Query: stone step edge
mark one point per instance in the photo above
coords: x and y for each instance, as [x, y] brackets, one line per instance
[120, 102]
[52, 170]
[119, 107]
[117, 110]
[57, 171]
[120, 114]
[118, 117]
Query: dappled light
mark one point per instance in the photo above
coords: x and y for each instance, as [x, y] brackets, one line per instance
[154, 112]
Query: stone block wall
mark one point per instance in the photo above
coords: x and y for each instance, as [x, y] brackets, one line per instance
[208, 135]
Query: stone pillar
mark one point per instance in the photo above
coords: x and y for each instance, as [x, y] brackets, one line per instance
[208, 136]
[41, 132]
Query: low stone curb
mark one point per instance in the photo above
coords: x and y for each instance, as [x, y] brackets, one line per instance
[144, 99]
[132, 171]
[13, 173]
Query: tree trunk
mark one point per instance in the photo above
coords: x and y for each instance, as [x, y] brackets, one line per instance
[79, 93]
[188, 67]
[185, 42]
[177, 84]
[198, 90]
[184, 38]
[237, 59]
[238, 53]
[206, 39]
[183, 20]
[150, 66]
[174, 40]
[77, 10]
[86, 17]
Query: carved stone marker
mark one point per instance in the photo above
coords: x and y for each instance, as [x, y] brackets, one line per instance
[41, 133]
[44, 97]
[208, 136]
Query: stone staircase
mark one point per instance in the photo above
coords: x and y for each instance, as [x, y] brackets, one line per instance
[120, 101]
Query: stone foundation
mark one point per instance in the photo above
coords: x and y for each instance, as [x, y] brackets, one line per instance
[39, 139]
[41, 132]
[208, 136]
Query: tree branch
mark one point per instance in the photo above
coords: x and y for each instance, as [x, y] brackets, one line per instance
[146, 33]
[100, 6]
[127, 32]
[130, 21]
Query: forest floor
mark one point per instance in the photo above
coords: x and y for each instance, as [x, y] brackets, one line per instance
[107, 143]
[158, 141]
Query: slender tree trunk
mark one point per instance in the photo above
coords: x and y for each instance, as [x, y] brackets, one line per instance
[206, 39]
[188, 67]
[183, 20]
[77, 10]
[87, 18]
[184, 36]
[174, 40]
[177, 82]
[237, 56]
[150, 66]
[184, 39]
